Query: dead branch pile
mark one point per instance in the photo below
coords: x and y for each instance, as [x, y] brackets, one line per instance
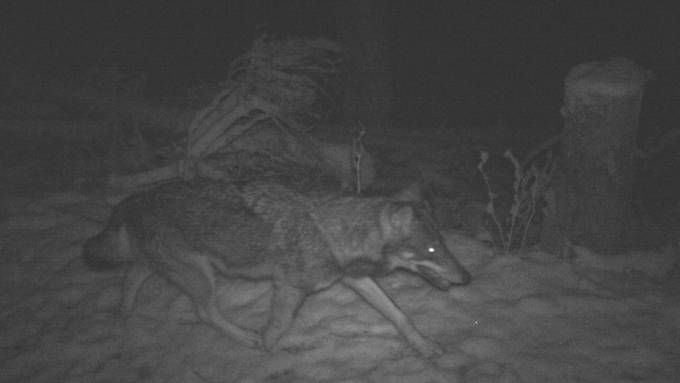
[274, 94]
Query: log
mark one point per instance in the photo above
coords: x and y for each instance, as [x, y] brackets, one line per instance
[594, 191]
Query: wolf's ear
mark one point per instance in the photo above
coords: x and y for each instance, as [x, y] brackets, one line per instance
[396, 220]
[411, 193]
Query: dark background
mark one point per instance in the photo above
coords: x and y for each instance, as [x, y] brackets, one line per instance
[459, 61]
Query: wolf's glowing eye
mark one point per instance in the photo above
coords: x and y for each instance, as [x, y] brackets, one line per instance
[431, 249]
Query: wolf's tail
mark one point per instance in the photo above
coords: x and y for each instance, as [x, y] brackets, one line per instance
[108, 249]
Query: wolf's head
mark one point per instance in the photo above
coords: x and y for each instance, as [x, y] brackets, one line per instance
[413, 241]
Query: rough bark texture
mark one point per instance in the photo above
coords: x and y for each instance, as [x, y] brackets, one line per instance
[363, 30]
[594, 192]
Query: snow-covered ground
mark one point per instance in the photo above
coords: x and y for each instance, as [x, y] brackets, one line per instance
[527, 318]
[530, 317]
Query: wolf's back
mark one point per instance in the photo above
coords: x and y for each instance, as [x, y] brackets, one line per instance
[272, 201]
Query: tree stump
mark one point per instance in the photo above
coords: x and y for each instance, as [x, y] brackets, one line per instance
[594, 192]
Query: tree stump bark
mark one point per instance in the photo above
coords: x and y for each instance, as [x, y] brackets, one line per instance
[594, 192]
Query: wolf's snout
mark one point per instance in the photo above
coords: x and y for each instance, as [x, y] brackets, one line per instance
[443, 276]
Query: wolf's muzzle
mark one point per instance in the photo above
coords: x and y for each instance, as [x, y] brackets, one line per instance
[443, 277]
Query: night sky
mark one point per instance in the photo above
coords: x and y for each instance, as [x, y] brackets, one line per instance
[460, 60]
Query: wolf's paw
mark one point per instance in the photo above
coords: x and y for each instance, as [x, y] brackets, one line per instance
[271, 341]
[428, 348]
[250, 338]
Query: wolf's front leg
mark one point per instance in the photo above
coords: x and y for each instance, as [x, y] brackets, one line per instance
[376, 297]
[285, 303]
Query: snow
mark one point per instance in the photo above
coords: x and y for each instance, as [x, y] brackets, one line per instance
[525, 318]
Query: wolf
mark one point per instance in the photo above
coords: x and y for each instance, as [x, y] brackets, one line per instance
[191, 233]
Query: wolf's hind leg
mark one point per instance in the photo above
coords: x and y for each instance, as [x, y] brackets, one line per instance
[193, 273]
[210, 314]
[285, 303]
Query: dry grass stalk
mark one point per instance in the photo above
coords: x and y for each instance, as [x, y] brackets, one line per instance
[529, 189]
